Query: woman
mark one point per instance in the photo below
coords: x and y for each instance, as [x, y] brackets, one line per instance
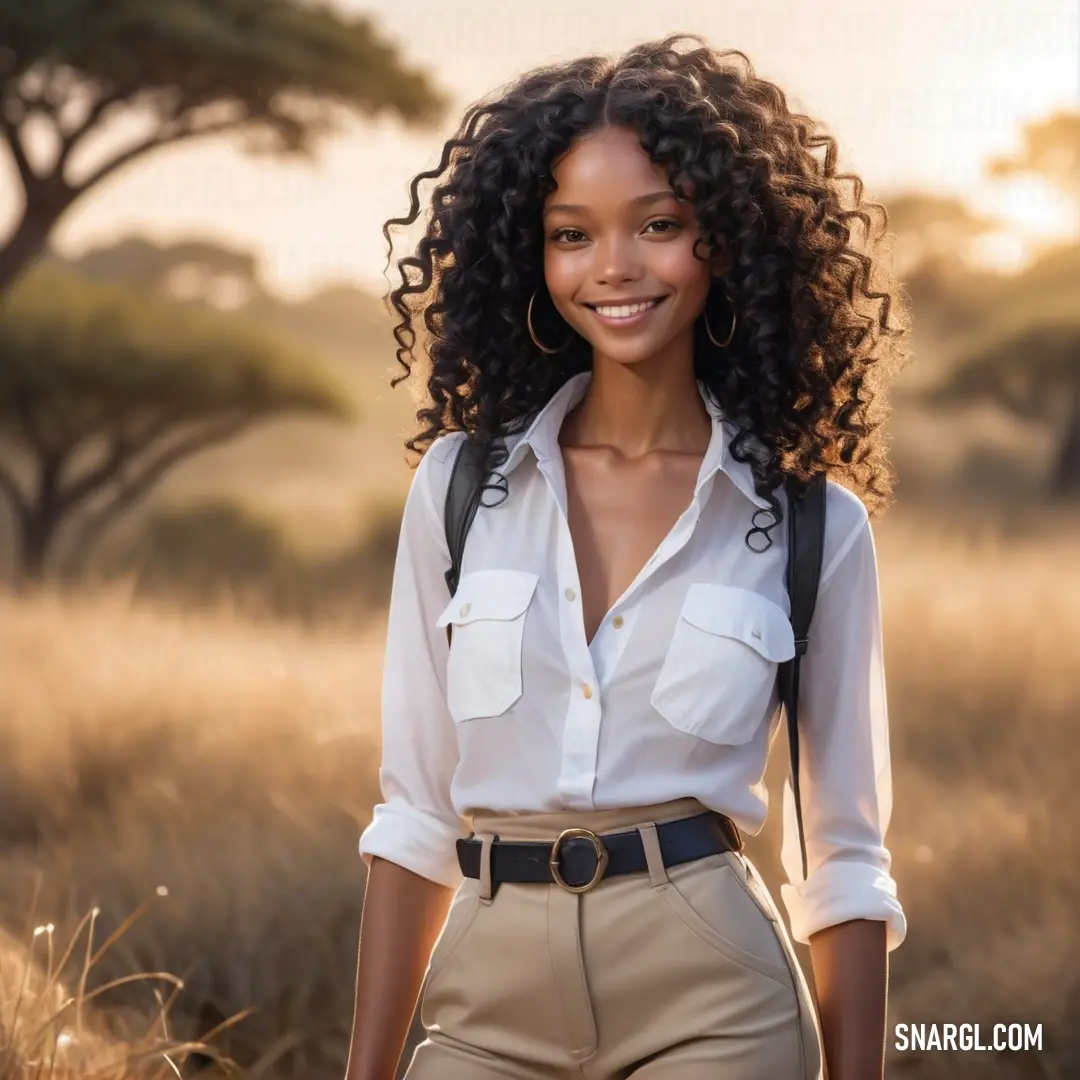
[638, 289]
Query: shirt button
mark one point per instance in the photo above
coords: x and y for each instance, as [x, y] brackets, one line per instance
[586, 689]
[465, 609]
[570, 594]
[617, 621]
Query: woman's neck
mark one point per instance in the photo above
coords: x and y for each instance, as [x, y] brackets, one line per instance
[638, 408]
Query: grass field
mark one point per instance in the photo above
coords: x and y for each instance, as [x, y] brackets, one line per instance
[218, 770]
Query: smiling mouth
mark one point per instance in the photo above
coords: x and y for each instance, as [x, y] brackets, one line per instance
[625, 311]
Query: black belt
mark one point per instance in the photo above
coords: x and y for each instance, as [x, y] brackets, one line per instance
[579, 859]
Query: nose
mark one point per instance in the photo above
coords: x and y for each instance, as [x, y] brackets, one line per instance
[617, 260]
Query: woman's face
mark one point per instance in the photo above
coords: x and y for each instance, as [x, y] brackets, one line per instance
[619, 250]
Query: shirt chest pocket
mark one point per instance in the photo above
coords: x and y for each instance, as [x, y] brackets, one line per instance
[487, 616]
[719, 674]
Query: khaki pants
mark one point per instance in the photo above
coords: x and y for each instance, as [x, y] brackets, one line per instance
[678, 974]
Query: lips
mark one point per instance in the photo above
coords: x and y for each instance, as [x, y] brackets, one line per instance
[619, 315]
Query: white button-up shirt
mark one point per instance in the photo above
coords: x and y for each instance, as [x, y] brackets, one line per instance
[674, 697]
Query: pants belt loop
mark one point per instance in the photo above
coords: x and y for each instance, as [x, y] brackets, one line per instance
[487, 891]
[653, 858]
[733, 833]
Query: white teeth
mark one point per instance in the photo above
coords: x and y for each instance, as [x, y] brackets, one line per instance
[625, 311]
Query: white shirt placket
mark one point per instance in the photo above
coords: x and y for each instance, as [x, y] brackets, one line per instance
[581, 728]
[592, 665]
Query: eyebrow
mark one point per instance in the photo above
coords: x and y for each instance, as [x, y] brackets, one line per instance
[641, 200]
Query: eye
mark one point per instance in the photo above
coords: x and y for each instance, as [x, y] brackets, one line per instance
[668, 223]
[571, 236]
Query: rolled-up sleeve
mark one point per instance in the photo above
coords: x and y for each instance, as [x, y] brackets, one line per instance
[416, 825]
[845, 774]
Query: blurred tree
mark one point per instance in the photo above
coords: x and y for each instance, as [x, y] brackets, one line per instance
[200, 550]
[103, 391]
[282, 73]
[337, 319]
[1026, 355]
[1031, 368]
[190, 269]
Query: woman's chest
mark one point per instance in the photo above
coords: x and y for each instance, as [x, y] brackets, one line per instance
[617, 517]
[695, 641]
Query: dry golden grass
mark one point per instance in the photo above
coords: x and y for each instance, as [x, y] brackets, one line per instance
[983, 655]
[225, 760]
[49, 1028]
[232, 762]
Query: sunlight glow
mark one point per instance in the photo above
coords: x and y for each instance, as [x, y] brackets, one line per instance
[1033, 205]
[1037, 214]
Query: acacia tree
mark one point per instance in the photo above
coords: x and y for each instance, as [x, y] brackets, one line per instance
[283, 73]
[1032, 369]
[1027, 358]
[103, 391]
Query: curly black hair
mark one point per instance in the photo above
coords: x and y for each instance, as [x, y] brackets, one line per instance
[804, 373]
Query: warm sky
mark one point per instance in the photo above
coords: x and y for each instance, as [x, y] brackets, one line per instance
[918, 93]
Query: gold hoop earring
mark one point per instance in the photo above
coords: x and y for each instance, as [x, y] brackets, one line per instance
[731, 332]
[532, 333]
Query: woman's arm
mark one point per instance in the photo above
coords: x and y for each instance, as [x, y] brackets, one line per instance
[409, 847]
[846, 908]
[851, 973]
[403, 914]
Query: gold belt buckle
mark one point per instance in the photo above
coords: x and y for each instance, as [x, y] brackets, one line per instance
[601, 859]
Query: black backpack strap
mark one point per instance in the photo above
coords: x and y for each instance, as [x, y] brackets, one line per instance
[806, 543]
[462, 500]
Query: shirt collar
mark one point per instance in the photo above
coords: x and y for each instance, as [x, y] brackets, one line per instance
[542, 437]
